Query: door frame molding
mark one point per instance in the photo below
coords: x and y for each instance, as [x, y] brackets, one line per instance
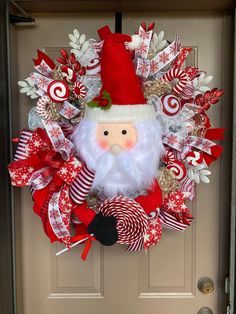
[7, 256]
[232, 299]
[6, 236]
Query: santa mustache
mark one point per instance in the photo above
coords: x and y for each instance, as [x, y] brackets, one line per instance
[110, 164]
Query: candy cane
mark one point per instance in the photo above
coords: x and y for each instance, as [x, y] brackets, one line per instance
[58, 91]
[170, 105]
[41, 107]
[68, 74]
[177, 74]
[178, 169]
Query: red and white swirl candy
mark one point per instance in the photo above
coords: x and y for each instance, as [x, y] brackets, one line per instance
[194, 158]
[68, 74]
[58, 91]
[132, 222]
[79, 90]
[168, 158]
[178, 169]
[170, 105]
[41, 107]
[177, 74]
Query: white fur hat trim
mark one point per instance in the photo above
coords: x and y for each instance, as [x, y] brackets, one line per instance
[121, 113]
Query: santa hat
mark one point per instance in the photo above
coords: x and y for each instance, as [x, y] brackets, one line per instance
[120, 84]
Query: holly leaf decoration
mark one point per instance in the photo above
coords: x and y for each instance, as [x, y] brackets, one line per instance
[103, 101]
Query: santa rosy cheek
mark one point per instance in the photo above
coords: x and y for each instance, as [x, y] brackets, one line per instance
[129, 144]
[103, 144]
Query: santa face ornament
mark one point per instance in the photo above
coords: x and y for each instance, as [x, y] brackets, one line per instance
[125, 156]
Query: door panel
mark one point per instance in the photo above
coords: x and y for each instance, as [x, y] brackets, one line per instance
[164, 280]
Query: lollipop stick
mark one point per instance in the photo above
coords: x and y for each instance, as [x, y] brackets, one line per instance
[74, 244]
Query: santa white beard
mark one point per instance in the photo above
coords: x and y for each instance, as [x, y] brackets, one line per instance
[128, 172]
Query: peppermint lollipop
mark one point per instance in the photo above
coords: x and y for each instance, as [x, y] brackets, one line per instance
[132, 222]
[178, 169]
[79, 90]
[194, 158]
[41, 107]
[170, 105]
[58, 91]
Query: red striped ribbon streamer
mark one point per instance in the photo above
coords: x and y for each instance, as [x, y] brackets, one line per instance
[188, 185]
[80, 188]
[131, 219]
[170, 222]
[67, 129]
[136, 246]
[20, 151]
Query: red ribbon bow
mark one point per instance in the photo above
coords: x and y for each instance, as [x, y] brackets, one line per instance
[86, 237]
[42, 170]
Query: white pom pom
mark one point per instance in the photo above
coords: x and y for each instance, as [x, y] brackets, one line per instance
[134, 43]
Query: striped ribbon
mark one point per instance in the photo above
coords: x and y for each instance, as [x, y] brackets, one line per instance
[80, 188]
[20, 150]
[170, 222]
[136, 246]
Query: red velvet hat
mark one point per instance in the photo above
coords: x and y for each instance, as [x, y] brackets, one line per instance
[120, 81]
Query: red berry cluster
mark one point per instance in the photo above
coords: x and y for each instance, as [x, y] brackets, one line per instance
[103, 102]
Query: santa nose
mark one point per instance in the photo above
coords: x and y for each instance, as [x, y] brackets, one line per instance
[115, 149]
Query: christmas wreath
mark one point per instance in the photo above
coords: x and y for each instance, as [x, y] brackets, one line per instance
[118, 139]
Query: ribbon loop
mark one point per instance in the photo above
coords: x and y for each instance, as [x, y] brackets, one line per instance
[87, 238]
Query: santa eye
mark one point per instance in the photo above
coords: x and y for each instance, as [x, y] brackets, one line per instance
[106, 133]
[124, 132]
